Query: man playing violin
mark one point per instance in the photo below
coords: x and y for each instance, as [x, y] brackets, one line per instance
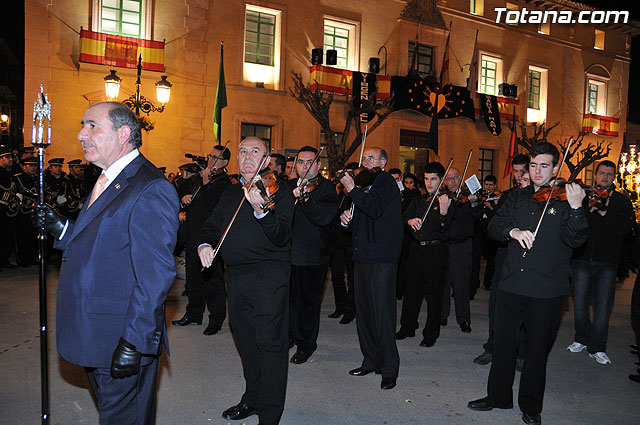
[463, 217]
[594, 266]
[257, 253]
[376, 226]
[314, 215]
[205, 288]
[426, 264]
[534, 283]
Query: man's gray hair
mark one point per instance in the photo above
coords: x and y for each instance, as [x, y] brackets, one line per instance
[119, 115]
[266, 148]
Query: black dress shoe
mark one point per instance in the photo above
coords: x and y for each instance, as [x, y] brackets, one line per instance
[425, 343]
[186, 321]
[239, 411]
[359, 371]
[346, 319]
[531, 418]
[388, 383]
[300, 356]
[482, 404]
[633, 346]
[336, 314]
[211, 330]
[402, 334]
[465, 327]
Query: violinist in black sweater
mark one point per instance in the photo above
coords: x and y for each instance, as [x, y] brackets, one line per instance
[257, 253]
[315, 210]
[377, 238]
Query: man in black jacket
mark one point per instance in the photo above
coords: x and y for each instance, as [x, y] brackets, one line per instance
[426, 265]
[205, 287]
[312, 222]
[593, 270]
[376, 227]
[534, 286]
[257, 253]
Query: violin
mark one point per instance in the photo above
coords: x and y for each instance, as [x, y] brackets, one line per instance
[596, 198]
[306, 187]
[267, 184]
[362, 176]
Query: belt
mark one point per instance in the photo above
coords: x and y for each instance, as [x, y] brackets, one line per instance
[425, 243]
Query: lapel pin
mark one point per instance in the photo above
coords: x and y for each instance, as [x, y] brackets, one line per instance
[117, 186]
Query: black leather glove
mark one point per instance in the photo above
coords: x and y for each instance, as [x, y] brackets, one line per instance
[125, 361]
[55, 223]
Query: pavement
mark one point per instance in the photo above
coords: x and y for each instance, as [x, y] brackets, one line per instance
[203, 375]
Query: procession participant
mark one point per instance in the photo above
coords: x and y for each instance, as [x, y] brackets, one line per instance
[428, 254]
[8, 202]
[411, 191]
[26, 235]
[57, 185]
[594, 266]
[534, 283]
[76, 195]
[117, 269]
[376, 226]
[257, 253]
[205, 288]
[277, 163]
[463, 217]
[312, 222]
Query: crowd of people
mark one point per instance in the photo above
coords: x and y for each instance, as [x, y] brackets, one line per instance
[261, 243]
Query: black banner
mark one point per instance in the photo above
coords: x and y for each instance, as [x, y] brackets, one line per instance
[491, 113]
[364, 87]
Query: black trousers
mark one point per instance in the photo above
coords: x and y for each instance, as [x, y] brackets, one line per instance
[258, 310]
[305, 298]
[458, 273]
[541, 318]
[205, 288]
[635, 310]
[26, 241]
[341, 261]
[126, 401]
[376, 317]
[426, 273]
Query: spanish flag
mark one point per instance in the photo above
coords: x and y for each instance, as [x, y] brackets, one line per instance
[339, 81]
[598, 124]
[116, 50]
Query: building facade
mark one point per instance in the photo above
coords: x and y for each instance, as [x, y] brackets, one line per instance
[562, 71]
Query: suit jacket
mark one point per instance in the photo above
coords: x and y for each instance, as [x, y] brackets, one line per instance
[117, 269]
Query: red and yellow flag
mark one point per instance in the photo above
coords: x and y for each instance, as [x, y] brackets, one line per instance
[339, 81]
[116, 50]
[598, 124]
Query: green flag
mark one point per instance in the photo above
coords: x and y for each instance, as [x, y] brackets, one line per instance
[221, 98]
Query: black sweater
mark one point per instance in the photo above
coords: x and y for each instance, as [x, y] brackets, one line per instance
[436, 226]
[377, 221]
[201, 207]
[606, 232]
[313, 225]
[251, 241]
[544, 271]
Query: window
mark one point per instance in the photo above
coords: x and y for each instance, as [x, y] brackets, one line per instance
[544, 27]
[490, 74]
[537, 102]
[485, 163]
[413, 154]
[476, 7]
[262, 37]
[129, 18]
[424, 58]
[599, 40]
[257, 130]
[596, 97]
[343, 37]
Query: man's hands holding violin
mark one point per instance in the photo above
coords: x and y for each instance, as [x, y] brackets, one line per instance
[348, 182]
[444, 202]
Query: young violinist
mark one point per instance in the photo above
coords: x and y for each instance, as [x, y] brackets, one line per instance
[463, 217]
[376, 226]
[594, 266]
[257, 253]
[205, 288]
[426, 264]
[534, 283]
[313, 218]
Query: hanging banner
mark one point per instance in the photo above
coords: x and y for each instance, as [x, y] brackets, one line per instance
[364, 88]
[506, 107]
[339, 81]
[115, 50]
[420, 94]
[598, 124]
[491, 113]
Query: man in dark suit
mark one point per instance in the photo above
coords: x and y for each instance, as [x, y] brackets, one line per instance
[205, 287]
[117, 268]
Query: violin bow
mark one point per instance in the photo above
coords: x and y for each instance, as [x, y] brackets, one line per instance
[308, 169]
[464, 173]
[546, 204]
[364, 140]
[235, 214]
[435, 195]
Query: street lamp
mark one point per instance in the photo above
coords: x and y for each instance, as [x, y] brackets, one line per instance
[137, 102]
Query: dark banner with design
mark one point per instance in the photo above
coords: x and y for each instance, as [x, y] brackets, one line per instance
[364, 87]
[491, 113]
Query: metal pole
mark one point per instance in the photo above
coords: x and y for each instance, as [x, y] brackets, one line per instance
[42, 112]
